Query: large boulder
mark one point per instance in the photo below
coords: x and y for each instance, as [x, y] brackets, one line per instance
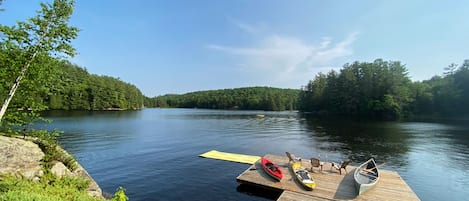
[19, 156]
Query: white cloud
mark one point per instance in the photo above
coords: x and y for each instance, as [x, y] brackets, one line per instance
[325, 42]
[282, 59]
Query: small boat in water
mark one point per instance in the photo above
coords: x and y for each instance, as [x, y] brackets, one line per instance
[366, 176]
[272, 169]
[302, 175]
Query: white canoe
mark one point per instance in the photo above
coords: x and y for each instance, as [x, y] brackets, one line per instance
[366, 176]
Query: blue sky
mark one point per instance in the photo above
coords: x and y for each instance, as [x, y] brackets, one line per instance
[182, 46]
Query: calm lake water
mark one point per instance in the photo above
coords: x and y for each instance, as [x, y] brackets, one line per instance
[153, 153]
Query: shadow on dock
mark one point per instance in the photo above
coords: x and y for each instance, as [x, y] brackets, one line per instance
[342, 192]
[259, 191]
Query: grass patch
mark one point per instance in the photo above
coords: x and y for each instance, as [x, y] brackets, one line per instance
[13, 188]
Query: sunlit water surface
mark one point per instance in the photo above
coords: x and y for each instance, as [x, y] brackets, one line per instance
[153, 153]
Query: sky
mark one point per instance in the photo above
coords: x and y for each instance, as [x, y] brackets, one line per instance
[177, 46]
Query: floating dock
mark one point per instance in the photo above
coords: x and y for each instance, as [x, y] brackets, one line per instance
[330, 184]
[239, 158]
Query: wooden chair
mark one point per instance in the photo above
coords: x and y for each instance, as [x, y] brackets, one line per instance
[316, 162]
[292, 157]
[343, 165]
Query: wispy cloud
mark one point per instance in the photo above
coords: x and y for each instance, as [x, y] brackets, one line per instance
[248, 28]
[285, 58]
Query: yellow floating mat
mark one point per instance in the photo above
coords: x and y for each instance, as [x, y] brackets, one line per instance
[239, 158]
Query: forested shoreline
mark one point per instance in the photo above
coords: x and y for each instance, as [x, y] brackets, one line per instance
[76, 89]
[378, 89]
[248, 98]
[383, 90]
[70, 87]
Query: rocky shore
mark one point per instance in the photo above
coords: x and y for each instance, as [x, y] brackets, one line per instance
[23, 157]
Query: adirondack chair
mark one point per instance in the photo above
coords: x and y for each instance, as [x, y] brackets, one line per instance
[316, 162]
[342, 165]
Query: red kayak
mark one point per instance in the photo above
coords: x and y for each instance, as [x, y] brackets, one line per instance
[271, 169]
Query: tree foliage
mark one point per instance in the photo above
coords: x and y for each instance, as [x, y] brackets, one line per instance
[66, 87]
[73, 88]
[382, 89]
[445, 95]
[250, 98]
[28, 46]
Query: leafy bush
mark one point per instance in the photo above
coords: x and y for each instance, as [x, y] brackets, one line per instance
[119, 195]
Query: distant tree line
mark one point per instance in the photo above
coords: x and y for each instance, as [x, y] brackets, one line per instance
[383, 89]
[249, 98]
[446, 95]
[66, 86]
[76, 89]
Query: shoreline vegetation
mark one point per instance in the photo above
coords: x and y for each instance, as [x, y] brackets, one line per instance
[247, 98]
[383, 90]
[379, 90]
[32, 55]
[37, 168]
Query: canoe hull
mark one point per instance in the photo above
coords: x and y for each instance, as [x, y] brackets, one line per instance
[271, 169]
[366, 176]
[303, 176]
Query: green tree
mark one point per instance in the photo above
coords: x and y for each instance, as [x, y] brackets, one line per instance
[422, 97]
[461, 81]
[45, 35]
[372, 89]
[248, 98]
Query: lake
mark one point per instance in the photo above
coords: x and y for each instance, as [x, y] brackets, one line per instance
[153, 153]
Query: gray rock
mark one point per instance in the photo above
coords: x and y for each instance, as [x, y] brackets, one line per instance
[19, 156]
[60, 170]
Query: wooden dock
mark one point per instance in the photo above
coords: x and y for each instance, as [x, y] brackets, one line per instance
[330, 184]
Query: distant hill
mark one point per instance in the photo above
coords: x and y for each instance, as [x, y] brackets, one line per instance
[248, 98]
[73, 88]
[79, 90]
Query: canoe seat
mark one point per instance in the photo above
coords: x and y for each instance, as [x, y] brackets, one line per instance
[366, 174]
[316, 162]
[343, 165]
[369, 171]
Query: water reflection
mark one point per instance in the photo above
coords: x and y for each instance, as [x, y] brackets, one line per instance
[82, 113]
[156, 147]
[450, 139]
[93, 132]
[360, 140]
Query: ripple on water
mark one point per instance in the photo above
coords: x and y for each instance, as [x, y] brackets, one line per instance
[153, 153]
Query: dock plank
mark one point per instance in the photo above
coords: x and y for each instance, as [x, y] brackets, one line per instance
[330, 184]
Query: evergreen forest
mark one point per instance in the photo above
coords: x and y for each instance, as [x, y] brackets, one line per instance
[65, 86]
[249, 98]
[76, 89]
[383, 90]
